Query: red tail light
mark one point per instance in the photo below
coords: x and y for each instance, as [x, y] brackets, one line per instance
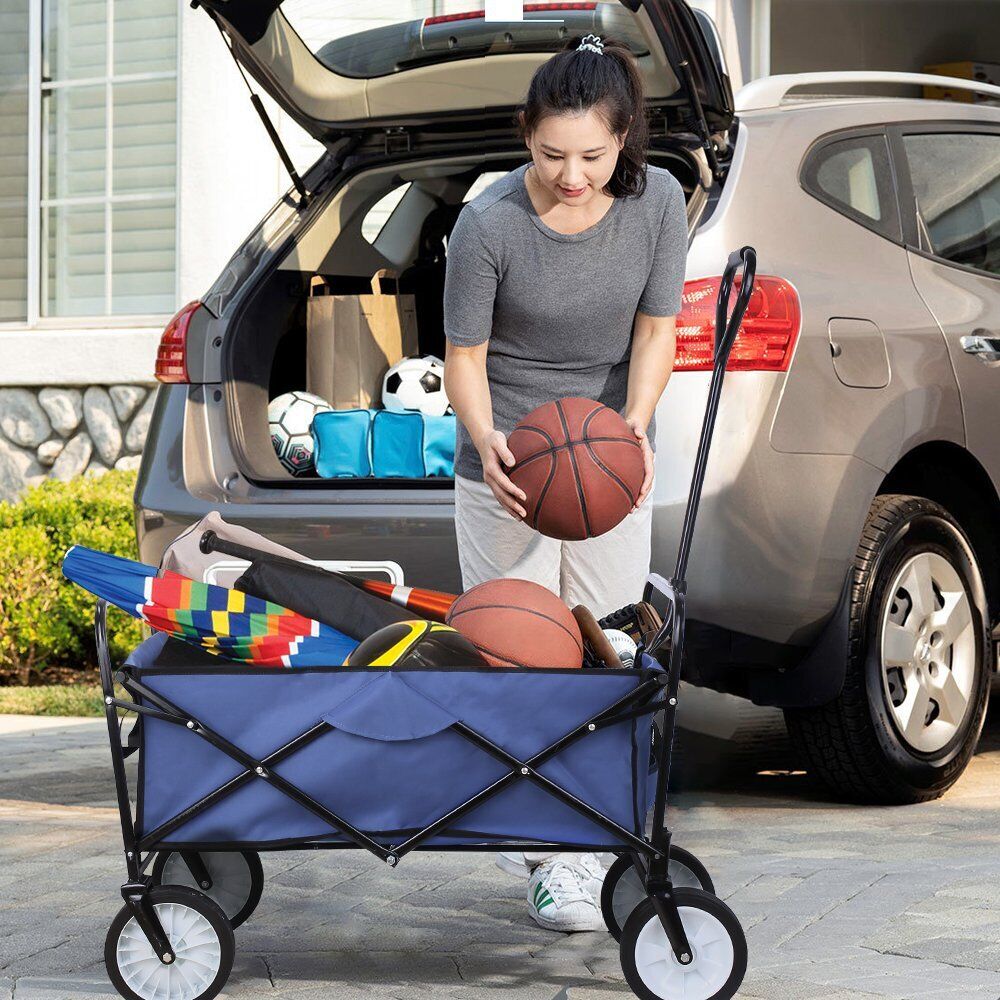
[767, 334]
[171, 355]
[529, 8]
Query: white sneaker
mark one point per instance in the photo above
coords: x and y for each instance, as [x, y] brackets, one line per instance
[559, 898]
[514, 864]
[591, 863]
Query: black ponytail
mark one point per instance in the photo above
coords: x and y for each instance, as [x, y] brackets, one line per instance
[575, 81]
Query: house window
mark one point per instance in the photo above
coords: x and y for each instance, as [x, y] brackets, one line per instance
[14, 161]
[109, 157]
[88, 129]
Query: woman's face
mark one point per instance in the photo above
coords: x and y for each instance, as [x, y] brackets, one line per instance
[574, 155]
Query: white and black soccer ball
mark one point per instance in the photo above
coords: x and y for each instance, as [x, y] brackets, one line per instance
[416, 384]
[289, 419]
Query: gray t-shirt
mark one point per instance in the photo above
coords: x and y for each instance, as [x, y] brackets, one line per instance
[558, 309]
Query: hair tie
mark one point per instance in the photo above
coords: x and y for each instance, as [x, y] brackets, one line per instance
[593, 43]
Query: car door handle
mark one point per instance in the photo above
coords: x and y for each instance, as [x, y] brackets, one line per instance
[983, 344]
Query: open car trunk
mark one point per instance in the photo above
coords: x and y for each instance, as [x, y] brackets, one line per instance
[417, 116]
[391, 218]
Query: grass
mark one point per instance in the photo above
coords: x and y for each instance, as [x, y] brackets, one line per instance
[52, 699]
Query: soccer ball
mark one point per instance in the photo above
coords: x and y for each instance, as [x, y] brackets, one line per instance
[416, 384]
[289, 419]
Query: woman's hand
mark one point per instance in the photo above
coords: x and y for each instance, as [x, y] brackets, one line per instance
[638, 429]
[495, 455]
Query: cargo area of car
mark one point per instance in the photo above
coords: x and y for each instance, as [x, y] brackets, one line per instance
[296, 333]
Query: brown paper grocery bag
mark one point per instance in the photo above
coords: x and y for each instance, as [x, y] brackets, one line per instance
[352, 339]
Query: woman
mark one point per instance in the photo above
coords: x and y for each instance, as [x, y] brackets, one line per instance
[564, 278]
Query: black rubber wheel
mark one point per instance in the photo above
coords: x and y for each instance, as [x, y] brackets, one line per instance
[623, 887]
[903, 730]
[237, 879]
[719, 951]
[200, 935]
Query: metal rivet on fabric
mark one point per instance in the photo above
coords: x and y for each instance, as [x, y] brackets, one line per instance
[592, 727]
[261, 771]
[190, 724]
[673, 701]
[391, 860]
[168, 958]
[524, 770]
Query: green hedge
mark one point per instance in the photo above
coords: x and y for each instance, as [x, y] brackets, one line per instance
[46, 621]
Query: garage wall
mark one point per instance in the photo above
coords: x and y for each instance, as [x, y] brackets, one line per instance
[901, 35]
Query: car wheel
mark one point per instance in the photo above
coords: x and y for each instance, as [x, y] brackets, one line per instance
[914, 698]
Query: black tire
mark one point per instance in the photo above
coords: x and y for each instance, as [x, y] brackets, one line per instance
[690, 903]
[236, 905]
[855, 743]
[623, 887]
[190, 899]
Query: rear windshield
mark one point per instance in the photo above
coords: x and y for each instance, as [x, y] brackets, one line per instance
[381, 37]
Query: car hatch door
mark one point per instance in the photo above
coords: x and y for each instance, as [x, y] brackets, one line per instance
[336, 72]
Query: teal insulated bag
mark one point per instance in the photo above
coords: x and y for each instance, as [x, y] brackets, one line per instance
[397, 445]
[439, 446]
[341, 445]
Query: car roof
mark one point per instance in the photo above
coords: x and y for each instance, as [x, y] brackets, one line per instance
[864, 110]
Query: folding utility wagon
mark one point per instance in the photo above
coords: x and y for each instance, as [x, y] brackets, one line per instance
[234, 760]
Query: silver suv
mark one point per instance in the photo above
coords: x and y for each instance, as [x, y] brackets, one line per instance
[846, 565]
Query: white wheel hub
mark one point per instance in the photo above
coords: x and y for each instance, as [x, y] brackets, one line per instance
[712, 957]
[197, 951]
[928, 648]
[228, 870]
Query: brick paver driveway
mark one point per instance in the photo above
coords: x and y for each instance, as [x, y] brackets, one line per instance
[840, 902]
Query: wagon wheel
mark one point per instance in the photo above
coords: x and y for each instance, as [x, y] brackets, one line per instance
[199, 935]
[718, 951]
[623, 888]
[237, 878]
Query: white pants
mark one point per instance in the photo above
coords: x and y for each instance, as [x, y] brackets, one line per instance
[603, 573]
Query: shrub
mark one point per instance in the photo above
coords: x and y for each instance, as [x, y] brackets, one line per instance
[52, 622]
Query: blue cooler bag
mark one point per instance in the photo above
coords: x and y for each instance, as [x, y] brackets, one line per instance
[439, 446]
[397, 445]
[341, 445]
[390, 763]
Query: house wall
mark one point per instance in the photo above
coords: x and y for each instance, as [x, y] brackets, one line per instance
[77, 398]
[899, 35]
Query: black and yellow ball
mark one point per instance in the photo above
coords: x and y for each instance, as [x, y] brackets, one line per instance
[416, 644]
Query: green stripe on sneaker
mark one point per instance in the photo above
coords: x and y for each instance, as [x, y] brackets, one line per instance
[542, 897]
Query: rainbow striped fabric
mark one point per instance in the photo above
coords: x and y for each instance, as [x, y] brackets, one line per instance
[219, 620]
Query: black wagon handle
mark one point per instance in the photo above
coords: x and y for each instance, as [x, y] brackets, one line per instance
[725, 332]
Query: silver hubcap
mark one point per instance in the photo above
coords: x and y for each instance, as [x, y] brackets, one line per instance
[230, 874]
[196, 947]
[928, 651]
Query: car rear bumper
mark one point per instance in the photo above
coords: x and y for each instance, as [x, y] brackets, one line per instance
[775, 534]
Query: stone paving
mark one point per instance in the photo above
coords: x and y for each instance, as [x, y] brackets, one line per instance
[840, 902]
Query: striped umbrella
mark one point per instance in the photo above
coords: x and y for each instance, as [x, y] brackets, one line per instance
[220, 620]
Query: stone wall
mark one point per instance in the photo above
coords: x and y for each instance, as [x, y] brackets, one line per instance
[62, 432]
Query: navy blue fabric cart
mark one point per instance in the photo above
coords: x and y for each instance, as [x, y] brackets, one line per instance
[234, 760]
[388, 759]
